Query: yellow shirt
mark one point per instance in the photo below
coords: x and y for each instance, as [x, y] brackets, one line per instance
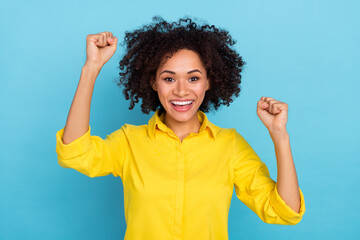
[179, 190]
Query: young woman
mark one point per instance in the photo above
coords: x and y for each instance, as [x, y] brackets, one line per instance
[179, 170]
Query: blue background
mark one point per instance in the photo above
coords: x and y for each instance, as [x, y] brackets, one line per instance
[304, 53]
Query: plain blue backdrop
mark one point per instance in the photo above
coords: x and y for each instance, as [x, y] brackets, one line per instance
[304, 53]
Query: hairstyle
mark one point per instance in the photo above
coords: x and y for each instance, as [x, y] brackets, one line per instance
[145, 48]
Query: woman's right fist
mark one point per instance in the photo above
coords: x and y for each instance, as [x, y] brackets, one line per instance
[100, 47]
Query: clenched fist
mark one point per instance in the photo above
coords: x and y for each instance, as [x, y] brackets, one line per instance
[100, 47]
[273, 114]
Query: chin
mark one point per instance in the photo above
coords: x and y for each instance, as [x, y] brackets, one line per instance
[181, 115]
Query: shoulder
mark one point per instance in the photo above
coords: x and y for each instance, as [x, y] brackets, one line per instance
[130, 129]
[224, 134]
[230, 135]
[128, 134]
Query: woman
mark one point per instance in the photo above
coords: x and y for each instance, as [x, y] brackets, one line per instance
[179, 170]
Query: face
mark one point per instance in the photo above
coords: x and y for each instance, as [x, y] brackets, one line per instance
[181, 83]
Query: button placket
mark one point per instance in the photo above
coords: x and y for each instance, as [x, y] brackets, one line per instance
[180, 184]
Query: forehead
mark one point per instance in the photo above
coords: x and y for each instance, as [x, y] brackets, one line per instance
[181, 60]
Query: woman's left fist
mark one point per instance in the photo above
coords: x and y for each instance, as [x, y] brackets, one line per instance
[273, 114]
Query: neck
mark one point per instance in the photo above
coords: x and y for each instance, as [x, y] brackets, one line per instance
[182, 129]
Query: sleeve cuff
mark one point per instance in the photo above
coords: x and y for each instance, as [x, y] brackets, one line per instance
[74, 149]
[284, 210]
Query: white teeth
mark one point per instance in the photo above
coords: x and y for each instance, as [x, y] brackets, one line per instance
[181, 103]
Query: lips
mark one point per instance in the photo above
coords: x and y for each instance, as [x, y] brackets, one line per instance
[182, 106]
[181, 103]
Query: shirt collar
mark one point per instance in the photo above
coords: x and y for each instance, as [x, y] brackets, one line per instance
[157, 122]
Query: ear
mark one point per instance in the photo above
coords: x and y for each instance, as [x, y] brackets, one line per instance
[153, 84]
[207, 84]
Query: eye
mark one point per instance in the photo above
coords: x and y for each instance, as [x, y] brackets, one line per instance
[193, 79]
[168, 79]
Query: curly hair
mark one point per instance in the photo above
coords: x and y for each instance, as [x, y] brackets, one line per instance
[145, 47]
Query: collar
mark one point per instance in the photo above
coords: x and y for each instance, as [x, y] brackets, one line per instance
[157, 122]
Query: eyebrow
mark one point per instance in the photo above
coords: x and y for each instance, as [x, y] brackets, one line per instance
[195, 70]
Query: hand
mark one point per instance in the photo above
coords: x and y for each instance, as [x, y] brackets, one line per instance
[100, 47]
[273, 114]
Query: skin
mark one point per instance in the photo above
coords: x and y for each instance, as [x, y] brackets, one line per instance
[274, 115]
[99, 49]
[181, 85]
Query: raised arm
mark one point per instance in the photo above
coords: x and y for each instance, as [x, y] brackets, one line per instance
[99, 49]
[76, 147]
[273, 114]
[280, 202]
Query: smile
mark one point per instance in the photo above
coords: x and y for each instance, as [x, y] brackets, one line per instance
[182, 106]
[181, 103]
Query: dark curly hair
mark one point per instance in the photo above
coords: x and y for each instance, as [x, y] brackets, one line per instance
[147, 46]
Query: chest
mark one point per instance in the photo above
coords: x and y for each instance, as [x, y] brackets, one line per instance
[162, 169]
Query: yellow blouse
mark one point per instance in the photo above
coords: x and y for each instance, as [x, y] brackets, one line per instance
[179, 190]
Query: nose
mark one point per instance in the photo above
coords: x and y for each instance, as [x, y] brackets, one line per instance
[181, 88]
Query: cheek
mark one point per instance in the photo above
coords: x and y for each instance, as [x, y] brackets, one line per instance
[163, 91]
[200, 89]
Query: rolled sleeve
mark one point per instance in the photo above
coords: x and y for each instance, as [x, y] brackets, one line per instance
[257, 190]
[74, 149]
[92, 155]
[284, 210]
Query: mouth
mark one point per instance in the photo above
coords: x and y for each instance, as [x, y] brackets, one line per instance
[182, 106]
